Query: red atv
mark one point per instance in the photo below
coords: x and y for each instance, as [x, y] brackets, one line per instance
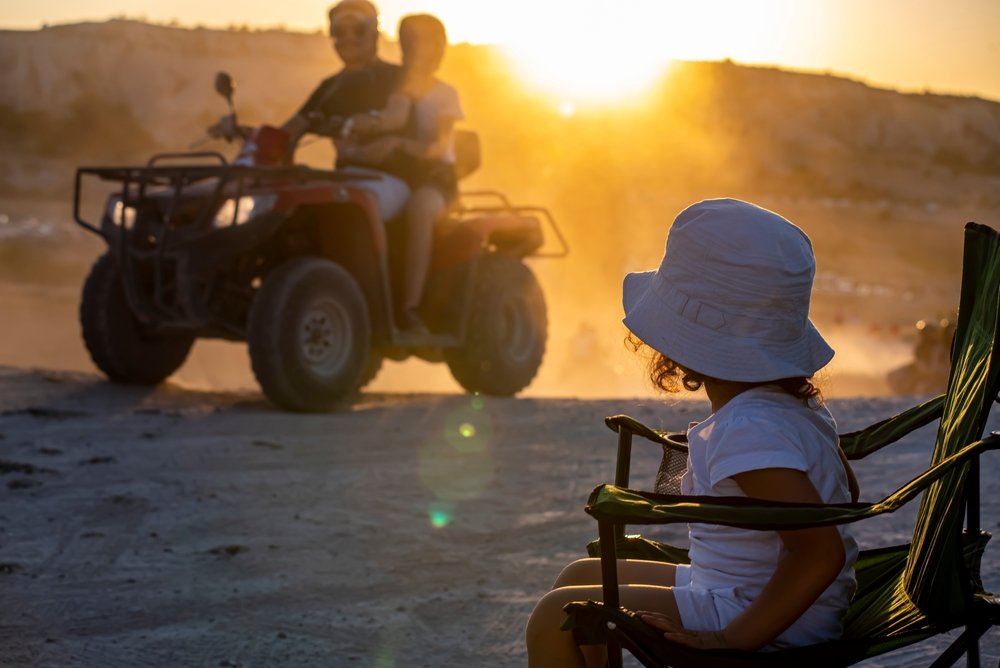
[296, 262]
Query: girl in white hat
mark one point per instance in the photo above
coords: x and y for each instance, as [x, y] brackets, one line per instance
[728, 311]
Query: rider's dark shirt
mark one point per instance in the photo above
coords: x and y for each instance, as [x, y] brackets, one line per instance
[350, 92]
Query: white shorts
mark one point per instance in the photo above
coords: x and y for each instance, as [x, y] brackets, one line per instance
[391, 193]
[704, 610]
[713, 610]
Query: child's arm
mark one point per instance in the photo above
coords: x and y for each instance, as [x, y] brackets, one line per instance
[815, 558]
[447, 112]
[374, 152]
[390, 119]
[852, 481]
[436, 148]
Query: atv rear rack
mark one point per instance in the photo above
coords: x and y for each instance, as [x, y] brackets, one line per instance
[502, 205]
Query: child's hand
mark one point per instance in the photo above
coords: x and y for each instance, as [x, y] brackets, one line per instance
[675, 632]
[364, 124]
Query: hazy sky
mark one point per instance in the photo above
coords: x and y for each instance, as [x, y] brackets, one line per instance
[944, 46]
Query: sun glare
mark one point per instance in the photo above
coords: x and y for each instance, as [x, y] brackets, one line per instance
[594, 52]
[587, 58]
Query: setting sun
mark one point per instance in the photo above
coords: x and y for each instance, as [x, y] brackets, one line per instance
[601, 54]
[594, 57]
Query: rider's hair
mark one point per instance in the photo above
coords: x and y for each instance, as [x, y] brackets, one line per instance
[360, 6]
[427, 26]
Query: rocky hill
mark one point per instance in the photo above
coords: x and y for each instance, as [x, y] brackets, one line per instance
[118, 90]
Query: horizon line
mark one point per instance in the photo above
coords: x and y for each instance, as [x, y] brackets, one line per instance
[234, 27]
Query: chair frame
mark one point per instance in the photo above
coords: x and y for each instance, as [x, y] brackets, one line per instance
[980, 612]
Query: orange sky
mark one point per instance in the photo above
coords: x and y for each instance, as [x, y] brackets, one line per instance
[909, 44]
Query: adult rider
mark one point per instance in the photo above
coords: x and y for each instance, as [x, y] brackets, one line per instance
[363, 85]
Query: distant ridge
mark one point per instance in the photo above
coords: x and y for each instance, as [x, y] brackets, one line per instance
[119, 90]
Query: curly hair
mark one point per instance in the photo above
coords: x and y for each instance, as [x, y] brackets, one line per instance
[669, 376]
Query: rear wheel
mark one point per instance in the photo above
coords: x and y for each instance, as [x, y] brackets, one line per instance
[374, 365]
[309, 335]
[507, 330]
[123, 348]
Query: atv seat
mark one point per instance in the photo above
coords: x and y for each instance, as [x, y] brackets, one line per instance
[468, 155]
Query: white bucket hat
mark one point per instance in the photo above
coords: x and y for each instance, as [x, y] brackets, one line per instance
[731, 297]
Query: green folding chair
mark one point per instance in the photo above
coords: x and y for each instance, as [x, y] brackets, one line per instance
[906, 593]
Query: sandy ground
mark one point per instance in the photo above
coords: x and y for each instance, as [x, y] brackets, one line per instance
[179, 527]
[194, 525]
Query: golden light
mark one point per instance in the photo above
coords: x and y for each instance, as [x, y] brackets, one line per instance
[567, 108]
[588, 57]
[598, 53]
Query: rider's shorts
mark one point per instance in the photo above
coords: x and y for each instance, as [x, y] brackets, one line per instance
[391, 193]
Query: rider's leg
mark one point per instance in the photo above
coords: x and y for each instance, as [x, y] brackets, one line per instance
[390, 192]
[425, 208]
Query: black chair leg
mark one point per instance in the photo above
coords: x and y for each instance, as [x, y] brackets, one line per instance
[967, 643]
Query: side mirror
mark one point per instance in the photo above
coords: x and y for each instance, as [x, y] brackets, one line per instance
[224, 86]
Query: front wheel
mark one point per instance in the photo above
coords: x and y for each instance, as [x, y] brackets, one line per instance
[308, 335]
[507, 330]
[123, 348]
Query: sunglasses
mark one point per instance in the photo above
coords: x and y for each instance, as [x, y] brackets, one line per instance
[356, 30]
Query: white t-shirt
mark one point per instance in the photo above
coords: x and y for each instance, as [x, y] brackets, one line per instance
[441, 101]
[764, 427]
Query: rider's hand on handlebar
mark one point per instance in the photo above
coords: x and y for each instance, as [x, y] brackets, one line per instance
[365, 124]
[326, 126]
[226, 128]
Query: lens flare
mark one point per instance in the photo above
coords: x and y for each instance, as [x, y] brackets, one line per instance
[457, 463]
[468, 429]
[441, 513]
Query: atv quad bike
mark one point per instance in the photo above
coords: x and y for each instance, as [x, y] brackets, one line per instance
[927, 373]
[296, 262]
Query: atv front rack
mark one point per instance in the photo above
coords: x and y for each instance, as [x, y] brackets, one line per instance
[136, 180]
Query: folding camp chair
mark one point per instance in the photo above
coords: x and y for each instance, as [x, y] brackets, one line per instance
[906, 593]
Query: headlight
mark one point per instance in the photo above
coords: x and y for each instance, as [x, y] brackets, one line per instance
[119, 213]
[239, 211]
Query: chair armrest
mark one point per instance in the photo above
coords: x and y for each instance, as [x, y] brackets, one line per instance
[673, 444]
[863, 442]
[856, 444]
[617, 505]
[676, 440]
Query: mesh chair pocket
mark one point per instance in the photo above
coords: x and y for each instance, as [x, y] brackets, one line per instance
[672, 468]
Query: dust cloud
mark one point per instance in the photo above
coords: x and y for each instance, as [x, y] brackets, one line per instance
[865, 305]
